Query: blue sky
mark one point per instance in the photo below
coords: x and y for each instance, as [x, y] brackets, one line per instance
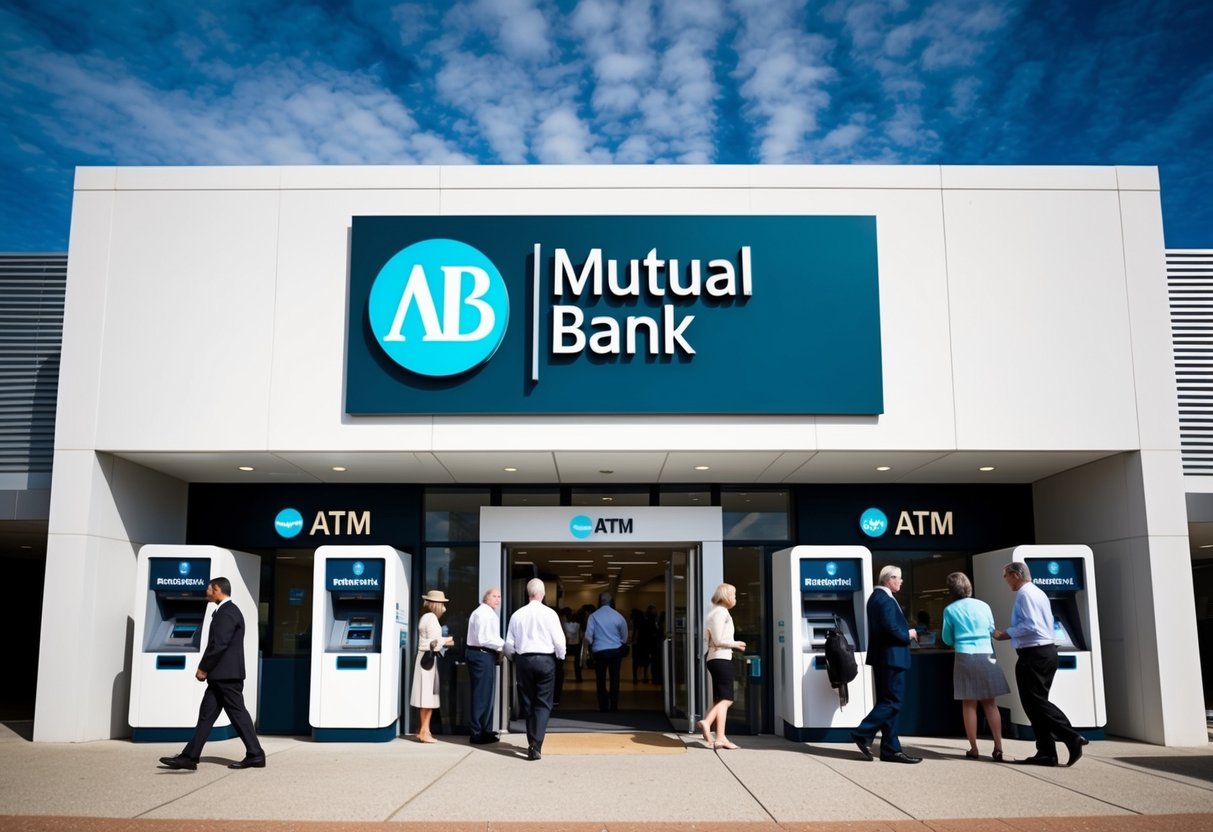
[601, 81]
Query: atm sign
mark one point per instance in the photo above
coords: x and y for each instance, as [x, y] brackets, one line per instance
[1056, 574]
[177, 574]
[824, 575]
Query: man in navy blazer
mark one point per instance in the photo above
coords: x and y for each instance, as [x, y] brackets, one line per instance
[222, 668]
[889, 638]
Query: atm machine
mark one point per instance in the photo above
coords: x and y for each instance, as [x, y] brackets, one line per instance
[817, 588]
[172, 622]
[360, 615]
[1066, 574]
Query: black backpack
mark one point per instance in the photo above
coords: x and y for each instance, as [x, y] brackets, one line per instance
[840, 662]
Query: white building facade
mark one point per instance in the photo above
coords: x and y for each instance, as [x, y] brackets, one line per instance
[928, 321]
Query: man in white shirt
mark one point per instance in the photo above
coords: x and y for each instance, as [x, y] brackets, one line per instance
[535, 640]
[1031, 634]
[483, 654]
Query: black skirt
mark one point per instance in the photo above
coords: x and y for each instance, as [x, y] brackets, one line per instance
[721, 671]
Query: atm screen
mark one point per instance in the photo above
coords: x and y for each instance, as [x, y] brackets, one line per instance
[184, 631]
[1061, 635]
[360, 634]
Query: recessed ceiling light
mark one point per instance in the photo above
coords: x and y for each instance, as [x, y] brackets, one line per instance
[883, 468]
[608, 499]
[338, 467]
[1205, 546]
[703, 467]
[986, 468]
[247, 468]
[605, 471]
[511, 470]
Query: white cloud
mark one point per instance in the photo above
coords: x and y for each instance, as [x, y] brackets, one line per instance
[517, 25]
[281, 113]
[784, 76]
[563, 138]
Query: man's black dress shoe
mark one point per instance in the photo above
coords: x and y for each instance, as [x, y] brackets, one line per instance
[1075, 749]
[1038, 760]
[899, 757]
[532, 753]
[180, 762]
[489, 739]
[865, 747]
[250, 762]
[484, 739]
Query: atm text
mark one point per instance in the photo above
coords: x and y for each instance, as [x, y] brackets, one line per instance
[613, 525]
[940, 523]
[341, 522]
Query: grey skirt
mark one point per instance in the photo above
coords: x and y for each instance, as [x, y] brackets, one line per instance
[978, 676]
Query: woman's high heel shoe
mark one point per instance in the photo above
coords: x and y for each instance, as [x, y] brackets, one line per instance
[997, 755]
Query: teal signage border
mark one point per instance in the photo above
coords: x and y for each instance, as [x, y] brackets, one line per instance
[804, 339]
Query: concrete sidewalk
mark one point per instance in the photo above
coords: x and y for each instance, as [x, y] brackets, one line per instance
[767, 784]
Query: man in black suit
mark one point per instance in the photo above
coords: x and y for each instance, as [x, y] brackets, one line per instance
[889, 640]
[222, 668]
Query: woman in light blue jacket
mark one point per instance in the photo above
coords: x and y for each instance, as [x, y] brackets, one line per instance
[976, 677]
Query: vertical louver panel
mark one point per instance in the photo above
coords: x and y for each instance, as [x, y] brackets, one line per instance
[31, 335]
[1190, 287]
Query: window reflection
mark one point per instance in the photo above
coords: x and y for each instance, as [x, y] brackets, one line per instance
[924, 593]
[453, 515]
[292, 603]
[755, 515]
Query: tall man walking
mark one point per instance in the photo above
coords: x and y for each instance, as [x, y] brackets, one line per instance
[222, 668]
[1031, 634]
[605, 634]
[483, 654]
[889, 640]
[536, 641]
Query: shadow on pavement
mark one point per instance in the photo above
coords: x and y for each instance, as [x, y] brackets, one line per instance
[23, 728]
[1196, 767]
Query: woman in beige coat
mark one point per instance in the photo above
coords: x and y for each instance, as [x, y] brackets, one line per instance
[424, 693]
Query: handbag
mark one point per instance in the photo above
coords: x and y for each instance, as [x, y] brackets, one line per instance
[427, 660]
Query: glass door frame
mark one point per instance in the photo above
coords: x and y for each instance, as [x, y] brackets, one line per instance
[700, 529]
[684, 668]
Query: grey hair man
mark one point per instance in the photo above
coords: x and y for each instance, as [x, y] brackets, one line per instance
[889, 638]
[1031, 634]
[606, 633]
[535, 640]
[483, 654]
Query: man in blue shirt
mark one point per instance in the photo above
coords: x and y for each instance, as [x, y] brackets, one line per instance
[606, 632]
[1031, 634]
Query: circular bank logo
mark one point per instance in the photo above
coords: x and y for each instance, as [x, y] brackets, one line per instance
[439, 308]
[581, 527]
[183, 568]
[288, 523]
[831, 568]
[873, 522]
[358, 568]
[1054, 568]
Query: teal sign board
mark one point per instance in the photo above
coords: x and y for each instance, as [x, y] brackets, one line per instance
[631, 314]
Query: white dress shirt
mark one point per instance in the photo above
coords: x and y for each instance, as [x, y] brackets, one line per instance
[535, 629]
[484, 628]
[1031, 618]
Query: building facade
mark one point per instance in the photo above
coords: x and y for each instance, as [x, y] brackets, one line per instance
[984, 352]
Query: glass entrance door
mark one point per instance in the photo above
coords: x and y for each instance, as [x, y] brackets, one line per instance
[681, 650]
